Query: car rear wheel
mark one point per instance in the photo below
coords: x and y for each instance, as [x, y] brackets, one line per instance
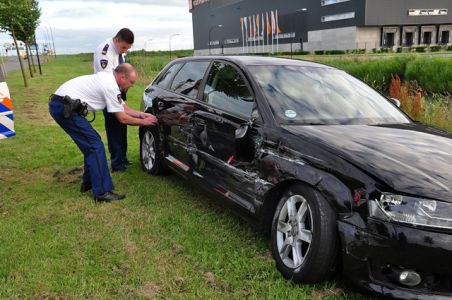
[150, 157]
[304, 235]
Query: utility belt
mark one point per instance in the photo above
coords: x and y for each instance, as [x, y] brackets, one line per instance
[71, 106]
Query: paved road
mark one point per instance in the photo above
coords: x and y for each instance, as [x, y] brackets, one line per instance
[10, 63]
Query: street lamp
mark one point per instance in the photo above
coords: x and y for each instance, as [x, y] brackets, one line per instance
[303, 10]
[53, 41]
[210, 31]
[170, 43]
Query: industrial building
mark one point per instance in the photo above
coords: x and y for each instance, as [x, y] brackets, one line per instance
[258, 26]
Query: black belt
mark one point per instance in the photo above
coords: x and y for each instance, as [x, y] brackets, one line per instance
[54, 97]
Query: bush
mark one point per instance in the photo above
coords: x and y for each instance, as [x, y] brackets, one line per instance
[399, 50]
[303, 52]
[377, 73]
[432, 73]
[319, 52]
[335, 52]
[419, 49]
[449, 48]
[435, 48]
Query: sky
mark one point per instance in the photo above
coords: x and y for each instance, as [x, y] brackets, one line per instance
[80, 26]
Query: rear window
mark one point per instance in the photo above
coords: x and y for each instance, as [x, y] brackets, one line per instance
[189, 78]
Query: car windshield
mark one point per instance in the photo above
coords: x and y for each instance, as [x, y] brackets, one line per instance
[318, 96]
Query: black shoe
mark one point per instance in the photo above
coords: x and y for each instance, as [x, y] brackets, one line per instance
[127, 162]
[85, 187]
[108, 197]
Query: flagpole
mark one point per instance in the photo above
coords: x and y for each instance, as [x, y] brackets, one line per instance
[277, 31]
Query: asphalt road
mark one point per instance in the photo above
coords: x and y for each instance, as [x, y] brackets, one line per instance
[9, 63]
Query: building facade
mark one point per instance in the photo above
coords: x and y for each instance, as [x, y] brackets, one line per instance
[258, 26]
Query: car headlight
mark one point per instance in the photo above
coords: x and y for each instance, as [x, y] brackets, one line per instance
[412, 210]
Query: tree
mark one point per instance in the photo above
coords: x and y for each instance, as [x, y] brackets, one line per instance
[13, 19]
[27, 31]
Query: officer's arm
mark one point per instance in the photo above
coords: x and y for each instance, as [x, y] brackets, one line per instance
[127, 119]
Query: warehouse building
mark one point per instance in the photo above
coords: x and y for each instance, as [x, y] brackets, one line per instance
[257, 26]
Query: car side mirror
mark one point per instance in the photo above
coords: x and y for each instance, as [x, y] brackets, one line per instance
[395, 101]
[241, 132]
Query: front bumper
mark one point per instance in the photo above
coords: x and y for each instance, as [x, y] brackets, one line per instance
[373, 256]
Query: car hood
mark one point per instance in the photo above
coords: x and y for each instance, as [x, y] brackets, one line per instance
[410, 158]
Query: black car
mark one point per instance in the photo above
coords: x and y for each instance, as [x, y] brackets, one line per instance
[338, 175]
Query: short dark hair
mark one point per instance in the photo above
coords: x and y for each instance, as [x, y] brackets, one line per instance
[125, 35]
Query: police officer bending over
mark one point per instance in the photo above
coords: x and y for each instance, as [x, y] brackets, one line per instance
[70, 104]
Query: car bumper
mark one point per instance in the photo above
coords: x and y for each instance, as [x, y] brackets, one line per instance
[374, 257]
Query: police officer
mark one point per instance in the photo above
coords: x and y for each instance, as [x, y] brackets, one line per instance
[97, 91]
[107, 57]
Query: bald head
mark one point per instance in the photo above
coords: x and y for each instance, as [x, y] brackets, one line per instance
[126, 70]
[125, 75]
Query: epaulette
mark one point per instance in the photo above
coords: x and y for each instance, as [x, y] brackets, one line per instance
[104, 51]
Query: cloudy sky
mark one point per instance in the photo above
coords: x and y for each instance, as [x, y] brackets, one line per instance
[80, 26]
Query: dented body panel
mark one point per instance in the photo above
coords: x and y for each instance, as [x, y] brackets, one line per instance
[248, 162]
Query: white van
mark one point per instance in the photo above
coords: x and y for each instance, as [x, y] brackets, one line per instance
[6, 111]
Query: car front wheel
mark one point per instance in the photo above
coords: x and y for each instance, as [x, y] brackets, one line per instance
[150, 157]
[304, 235]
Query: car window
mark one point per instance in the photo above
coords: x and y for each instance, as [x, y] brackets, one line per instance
[165, 78]
[188, 79]
[226, 89]
[316, 96]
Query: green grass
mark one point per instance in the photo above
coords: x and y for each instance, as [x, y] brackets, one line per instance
[166, 240]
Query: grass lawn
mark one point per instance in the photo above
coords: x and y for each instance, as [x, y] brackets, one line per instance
[166, 240]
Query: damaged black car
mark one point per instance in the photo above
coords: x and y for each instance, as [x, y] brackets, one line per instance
[335, 172]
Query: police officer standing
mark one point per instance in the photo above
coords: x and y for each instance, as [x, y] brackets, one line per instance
[70, 103]
[107, 57]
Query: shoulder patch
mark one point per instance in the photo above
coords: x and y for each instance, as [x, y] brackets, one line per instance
[103, 63]
[119, 98]
[104, 51]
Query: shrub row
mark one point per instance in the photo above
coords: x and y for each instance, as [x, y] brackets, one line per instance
[433, 74]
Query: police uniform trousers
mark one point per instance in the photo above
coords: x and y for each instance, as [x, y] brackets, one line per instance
[117, 140]
[90, 143]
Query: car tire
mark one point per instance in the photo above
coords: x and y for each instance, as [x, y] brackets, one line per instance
[304, 235]
[150, 155]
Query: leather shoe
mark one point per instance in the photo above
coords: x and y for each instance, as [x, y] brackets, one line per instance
[85, 187]
[108, 197]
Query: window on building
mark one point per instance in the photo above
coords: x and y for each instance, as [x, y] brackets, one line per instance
[427, 37]
[343, 16]
[444, 39]
[389, 39]
[227, 90]
[409, 38]
[189, 78]
[329, 2]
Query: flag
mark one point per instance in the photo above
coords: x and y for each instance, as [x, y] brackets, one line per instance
[257, 25]
[272, 17]
[269, 27]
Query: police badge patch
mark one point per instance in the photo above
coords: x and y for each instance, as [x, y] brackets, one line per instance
[103, 63]
[119, 99]
[104, 51]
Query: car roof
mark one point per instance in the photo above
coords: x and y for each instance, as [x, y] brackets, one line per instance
[258, 60]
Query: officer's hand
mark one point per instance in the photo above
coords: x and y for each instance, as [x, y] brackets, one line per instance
[150, 120]
[144, 115]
